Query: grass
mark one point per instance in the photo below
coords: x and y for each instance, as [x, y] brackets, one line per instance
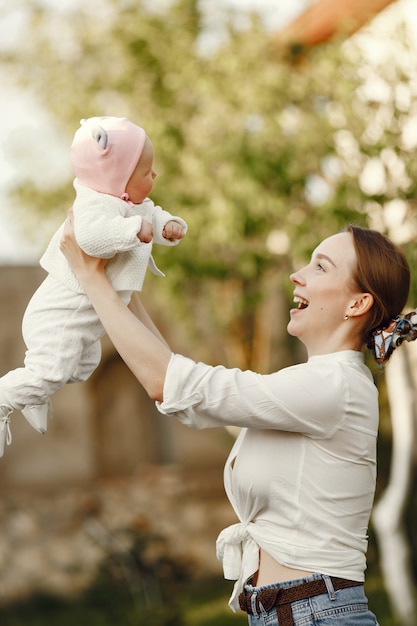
[180, 601]
[164, 593]
[108, 603]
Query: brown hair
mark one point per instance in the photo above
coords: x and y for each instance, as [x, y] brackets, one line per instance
[383, 271]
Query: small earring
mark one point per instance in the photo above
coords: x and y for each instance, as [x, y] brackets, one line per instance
[346, 317]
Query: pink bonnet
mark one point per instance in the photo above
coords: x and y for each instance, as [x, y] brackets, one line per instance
[105, 152]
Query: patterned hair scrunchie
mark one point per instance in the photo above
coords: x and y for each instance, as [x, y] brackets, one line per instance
[384, 341]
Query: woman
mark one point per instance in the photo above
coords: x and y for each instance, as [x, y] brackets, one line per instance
[301, 475]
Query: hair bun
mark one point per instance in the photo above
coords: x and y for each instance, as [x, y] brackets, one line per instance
[384, 341]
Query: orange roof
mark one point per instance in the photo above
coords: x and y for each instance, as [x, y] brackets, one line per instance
[326, 18]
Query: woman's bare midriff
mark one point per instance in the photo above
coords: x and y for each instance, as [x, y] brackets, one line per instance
[270, 571]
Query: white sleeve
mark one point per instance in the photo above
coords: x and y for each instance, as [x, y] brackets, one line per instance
[101, 231]
[202, 396]
[159, 218]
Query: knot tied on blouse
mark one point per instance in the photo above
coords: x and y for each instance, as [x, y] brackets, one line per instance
[239, 553]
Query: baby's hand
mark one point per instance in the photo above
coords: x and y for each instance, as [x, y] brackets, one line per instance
[145, 235]
[173, 231]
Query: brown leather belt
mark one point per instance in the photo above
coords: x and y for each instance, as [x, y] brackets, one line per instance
[282, 598]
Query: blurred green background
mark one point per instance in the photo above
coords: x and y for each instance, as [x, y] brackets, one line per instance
[264, 150]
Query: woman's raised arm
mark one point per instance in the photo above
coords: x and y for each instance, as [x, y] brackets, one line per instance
[135, 338]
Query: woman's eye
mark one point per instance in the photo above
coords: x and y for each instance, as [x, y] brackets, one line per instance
[320, 267]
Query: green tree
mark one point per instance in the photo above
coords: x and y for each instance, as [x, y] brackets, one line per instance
[259, 154]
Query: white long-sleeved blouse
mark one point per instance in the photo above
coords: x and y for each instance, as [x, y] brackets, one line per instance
[301, 475]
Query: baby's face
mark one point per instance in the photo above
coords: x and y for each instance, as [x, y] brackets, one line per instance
[141, 182]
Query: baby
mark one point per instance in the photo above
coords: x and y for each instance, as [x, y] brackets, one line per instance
[114, 219]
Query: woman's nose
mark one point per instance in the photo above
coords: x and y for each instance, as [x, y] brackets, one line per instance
[297, 277]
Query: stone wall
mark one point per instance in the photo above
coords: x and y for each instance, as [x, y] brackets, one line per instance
[104, 428]
[109, 469]
[54, 542]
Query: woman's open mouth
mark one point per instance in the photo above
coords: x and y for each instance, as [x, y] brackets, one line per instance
[301, 302]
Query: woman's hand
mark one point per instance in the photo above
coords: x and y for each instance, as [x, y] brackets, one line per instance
[81, 263]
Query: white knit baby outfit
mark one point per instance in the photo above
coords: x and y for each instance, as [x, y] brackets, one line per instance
[60, 327]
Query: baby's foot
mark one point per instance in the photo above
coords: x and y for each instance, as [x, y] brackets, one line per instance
[37, 416]
[5, 432]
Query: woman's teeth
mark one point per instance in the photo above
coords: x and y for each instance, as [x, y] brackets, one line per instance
[302, 304]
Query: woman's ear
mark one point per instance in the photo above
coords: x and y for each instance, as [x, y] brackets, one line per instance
[361, 305]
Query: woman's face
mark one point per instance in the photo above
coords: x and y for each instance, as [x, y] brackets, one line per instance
[324, 295]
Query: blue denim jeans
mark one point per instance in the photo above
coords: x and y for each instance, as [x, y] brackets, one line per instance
[346, 607]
